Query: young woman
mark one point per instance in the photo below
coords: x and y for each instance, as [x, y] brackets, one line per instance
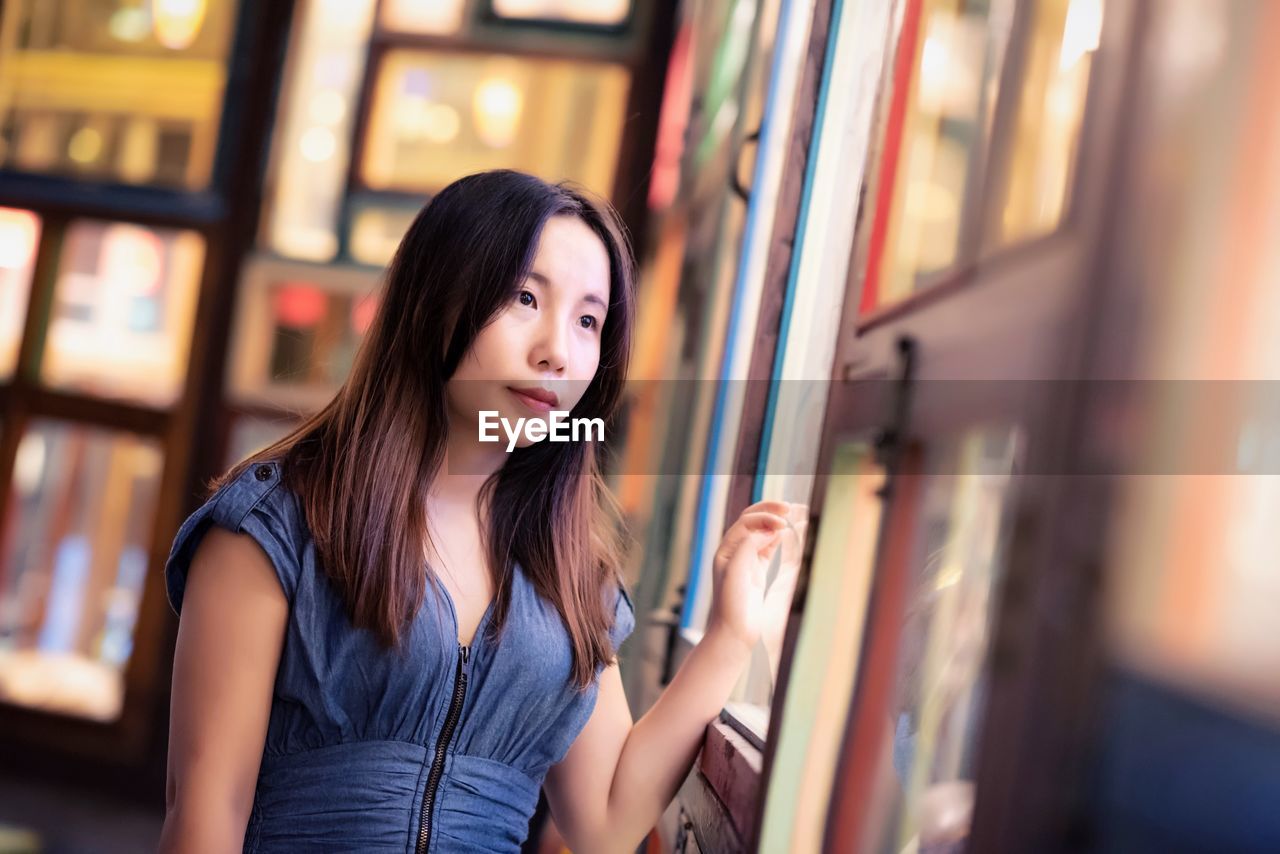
[393, 634]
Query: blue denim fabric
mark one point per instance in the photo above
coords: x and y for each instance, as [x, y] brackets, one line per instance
[353, 727]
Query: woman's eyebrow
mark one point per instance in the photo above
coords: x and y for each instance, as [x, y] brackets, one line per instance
[546, 282]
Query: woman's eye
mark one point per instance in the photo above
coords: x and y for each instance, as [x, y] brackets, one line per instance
[592, 324]
[522, 295]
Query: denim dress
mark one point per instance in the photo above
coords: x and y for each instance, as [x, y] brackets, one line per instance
[441, 748]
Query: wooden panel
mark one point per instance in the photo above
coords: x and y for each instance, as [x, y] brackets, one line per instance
[731, 766]
[713, 828]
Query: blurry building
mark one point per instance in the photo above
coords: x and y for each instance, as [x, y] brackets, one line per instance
[197, 198]
[981, 282]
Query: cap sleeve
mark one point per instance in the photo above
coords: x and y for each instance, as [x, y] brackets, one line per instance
[624, 618]
[247, 505]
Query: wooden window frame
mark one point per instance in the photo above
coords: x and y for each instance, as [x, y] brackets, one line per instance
[126, 752]
[260, 272]
[1048, 341]
[724, 792]
[642, 49]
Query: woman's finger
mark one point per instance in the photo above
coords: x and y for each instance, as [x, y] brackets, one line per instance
[759, 543]
[779, 507]
[752, 521]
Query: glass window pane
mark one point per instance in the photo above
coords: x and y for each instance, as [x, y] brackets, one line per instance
[595, 12]
[317, 117]
[376, 230]
[1064, 35]
[298, 332]
[940, 684]
[19, 239]
[927, 167]
[115, 89]
[123, 309]
[425, 17]
[828, 648]
[74, 564]
[439, 116]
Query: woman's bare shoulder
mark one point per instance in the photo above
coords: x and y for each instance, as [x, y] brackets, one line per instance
[233, 566]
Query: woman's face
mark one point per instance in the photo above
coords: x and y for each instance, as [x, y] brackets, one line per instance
[547, 337]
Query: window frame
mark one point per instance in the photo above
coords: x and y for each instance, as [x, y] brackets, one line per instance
[259, 273]
[988, 173]
[383, 49]
[45, 738]
[732, 740]
[1047, 342]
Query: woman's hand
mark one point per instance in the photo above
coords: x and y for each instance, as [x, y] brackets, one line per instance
[742, 610]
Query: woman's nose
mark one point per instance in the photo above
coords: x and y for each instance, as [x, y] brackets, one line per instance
[551, 349]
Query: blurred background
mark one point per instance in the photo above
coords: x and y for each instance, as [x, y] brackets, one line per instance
[989, 284]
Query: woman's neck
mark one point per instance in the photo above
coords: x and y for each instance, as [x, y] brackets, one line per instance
[467, 465]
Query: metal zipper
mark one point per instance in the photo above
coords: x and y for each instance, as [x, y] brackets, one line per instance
[442, 748]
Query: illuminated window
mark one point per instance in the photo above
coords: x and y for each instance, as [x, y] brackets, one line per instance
[593, 12]
[123, 309]
[19, 238]
[437, 117]
[74, 566]
[428, 17]
[377, 228]
[297, 332]
[318, 113]
[931, 147]
[116, 90]
[1033, 195]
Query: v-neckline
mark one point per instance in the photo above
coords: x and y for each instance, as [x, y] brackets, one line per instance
[453, 611]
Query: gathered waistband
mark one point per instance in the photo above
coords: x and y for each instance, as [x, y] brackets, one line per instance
[367, 796]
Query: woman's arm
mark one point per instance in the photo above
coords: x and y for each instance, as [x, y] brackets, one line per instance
[618, 777]
[224, 669]
[616, 780]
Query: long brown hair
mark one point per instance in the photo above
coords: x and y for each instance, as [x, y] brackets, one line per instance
[364, 464]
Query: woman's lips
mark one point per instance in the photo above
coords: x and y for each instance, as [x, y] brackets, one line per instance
[532, 402]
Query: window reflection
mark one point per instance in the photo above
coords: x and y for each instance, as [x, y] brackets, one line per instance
[1064, 35]
[114, 89]
[19, 239]
[318, 115]
[437, 116]
[427, 17]
[123, 309]
[946, 119]
[594, 12]
[74, 565]
[298, 332]
[940, 683]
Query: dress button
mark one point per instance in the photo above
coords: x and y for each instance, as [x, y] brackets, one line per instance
[263, 472]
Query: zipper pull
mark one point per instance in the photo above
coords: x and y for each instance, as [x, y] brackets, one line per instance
[466, 654]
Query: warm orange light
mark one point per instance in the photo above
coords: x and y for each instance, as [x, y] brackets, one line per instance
[178, 22]
[132, 259]
[497, 105]
[19, 231]
[578, 11]
[437, 17]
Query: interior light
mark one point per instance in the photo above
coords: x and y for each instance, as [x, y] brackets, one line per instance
[178, 22]
[497, 104]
